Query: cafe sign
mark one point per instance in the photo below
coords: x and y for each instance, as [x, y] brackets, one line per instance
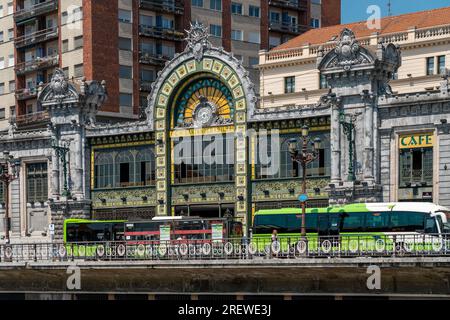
[420, 140]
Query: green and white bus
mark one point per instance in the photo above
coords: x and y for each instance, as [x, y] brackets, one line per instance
[367, 223]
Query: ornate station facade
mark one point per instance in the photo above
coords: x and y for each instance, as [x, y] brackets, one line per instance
[136, 170]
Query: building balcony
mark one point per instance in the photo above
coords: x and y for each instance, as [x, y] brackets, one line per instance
[290, 4]
[33, 119]
[36, 37]
[167, 6]
[36, 10]
[153, 58]
[161, 33]
[36, 65]
[146, 86]
[285, 27]
[26, 94]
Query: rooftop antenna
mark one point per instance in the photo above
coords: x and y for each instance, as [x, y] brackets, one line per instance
[389, 8]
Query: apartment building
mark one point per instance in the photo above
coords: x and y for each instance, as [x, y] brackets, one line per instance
[289, 73]
[127, 42]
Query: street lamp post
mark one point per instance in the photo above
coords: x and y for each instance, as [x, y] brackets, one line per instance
[304, 157]
[6, 177]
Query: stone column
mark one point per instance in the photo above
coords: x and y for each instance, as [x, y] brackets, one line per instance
[368, 136]
[78, 162]
[335, 144]
[56, 191]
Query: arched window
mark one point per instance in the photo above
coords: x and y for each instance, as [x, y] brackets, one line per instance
[104, 170]
[145, 167]
[124, 164]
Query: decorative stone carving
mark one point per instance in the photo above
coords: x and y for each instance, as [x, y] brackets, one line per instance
[198, 40]
[348, 51]
[59, 85]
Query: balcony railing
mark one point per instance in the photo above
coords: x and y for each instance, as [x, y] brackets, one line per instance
[169, 6]
[162, 33]
[36, 10]
[35, 118]
[288, 27]
[25, 94]
[146, 86]
[36, 64]
[290, 4]
[39, 36]
[153, 58]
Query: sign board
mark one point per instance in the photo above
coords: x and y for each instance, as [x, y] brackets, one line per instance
[51, 227]
[164, 233]
[217, 231]
[303, 198]
[420, 140]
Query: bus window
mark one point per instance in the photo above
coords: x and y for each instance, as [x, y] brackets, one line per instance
[353, 222]
[377, 221]
[407, 221]
[431, 225]
[118, 232]
[81, 232]
[268, 222]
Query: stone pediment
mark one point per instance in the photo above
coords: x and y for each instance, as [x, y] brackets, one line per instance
[347, 55]
[58, 91]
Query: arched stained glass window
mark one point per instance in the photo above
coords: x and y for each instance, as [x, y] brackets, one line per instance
[104, 170]
[124, 169]
[145, 167]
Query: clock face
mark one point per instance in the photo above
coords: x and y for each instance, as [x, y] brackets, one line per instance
[202, 102]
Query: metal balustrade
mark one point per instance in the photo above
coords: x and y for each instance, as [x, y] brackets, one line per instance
[36, 37]
[369, 245]
[32, 118]
[162, 33]
[36, 10]
[25, 94]
[287, 27]
[37, 64]
[153, 58]
[169, 6]
[290, 4]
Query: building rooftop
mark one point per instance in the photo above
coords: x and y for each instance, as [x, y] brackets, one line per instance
[389, 25]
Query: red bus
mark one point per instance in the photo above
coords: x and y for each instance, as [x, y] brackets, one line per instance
[180, 229]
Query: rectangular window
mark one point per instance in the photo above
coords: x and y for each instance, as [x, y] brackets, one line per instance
[2, 113]
[274, 17]
[430, 66]
[12, 86]
[37, 182]
[254, 37]
[416, 167]
[10, 34]
[289, 85]
[126, 100]
[197, 3]
[315, 23]
[11, 60]
[78, 71]
[125, 44]
[236, 8]
[146, 21]
[215, 30]
[1, 36]
[125, 16]
[65, 45]
[215, 5]
[2, 88]
[254, 11]
[237, 35]
[253, 61]
[441, 64]
[78, 42]
[10, 8]
[147, 75]
[125, 72]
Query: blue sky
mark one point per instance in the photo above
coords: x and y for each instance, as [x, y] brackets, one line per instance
[355, 10]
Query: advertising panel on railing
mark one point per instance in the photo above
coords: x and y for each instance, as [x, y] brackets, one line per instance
[164, 232]
[217, 231]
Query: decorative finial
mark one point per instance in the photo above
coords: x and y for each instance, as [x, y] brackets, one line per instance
[198, 39]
